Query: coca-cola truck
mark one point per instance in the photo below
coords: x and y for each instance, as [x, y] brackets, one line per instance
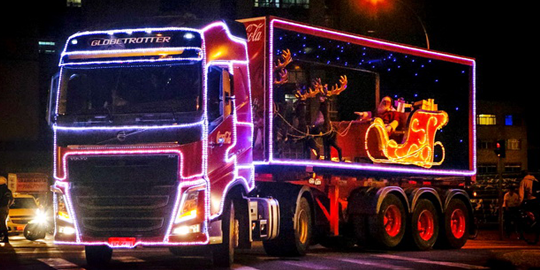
[266, 129]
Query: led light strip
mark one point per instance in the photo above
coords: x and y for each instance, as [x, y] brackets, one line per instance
[276, 23]
[199, 179]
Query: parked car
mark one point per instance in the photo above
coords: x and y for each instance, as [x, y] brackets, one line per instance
[22, 211]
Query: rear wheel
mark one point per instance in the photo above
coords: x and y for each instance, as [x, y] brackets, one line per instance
[424, 225]
[455, 225]
[294, 237]
[98, 255]
[388, 226]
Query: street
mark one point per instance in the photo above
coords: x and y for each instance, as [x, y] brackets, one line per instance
[485, 252]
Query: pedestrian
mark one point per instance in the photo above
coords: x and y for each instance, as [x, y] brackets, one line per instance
[528, 187]
[511, 203]
[6, 200]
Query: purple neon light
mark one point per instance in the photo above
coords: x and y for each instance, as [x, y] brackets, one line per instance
[358, 166]
[200, 179]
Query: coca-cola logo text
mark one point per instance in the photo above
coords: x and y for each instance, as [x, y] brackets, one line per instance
[255, 32]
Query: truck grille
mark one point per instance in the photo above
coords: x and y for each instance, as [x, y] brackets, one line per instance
[123, 195]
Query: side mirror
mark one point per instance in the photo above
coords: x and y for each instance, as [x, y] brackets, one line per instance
[51, 106]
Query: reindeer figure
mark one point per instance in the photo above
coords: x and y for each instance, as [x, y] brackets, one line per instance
[329, 137]
[301, 113]
[280, 78]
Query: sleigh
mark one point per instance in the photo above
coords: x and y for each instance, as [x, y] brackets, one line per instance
[412, 144]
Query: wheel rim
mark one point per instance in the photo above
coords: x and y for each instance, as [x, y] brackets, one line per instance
[302, 226]
[425, 225]
[457, 223]
[392, 220]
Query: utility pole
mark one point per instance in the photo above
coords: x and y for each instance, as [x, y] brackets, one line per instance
[500, 151]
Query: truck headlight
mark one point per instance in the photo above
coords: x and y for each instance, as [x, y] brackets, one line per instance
[191, 206]
[62, 212]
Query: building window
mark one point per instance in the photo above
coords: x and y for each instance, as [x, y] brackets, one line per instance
[486, 120]
[47, 47]
[508, 120]
[513, 144]
[281, 3]
[487, 168]
[482, 144]
[512, 167]
[74, 3]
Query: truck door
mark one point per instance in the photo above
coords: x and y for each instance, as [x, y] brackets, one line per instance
[221, 138]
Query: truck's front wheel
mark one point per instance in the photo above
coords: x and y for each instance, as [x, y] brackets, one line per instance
[223, 254]
[98, 255]
[294, 234]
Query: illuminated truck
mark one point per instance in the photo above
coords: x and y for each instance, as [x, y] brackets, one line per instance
[265, 130]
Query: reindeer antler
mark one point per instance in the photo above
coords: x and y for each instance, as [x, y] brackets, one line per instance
[336, 90]
[310, 93]
[286, 59]
[283, 77]
[318, 87]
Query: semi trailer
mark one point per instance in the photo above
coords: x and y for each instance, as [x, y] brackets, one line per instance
[218, 135]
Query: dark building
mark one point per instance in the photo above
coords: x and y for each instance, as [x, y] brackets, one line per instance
[32, 41]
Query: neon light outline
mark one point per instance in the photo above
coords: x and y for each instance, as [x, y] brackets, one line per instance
[414, 154]
[204, 140]
[377, 44]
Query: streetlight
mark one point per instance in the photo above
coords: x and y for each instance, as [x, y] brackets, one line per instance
[376, 4]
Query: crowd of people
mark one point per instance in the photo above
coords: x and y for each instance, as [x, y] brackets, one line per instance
[527, 196]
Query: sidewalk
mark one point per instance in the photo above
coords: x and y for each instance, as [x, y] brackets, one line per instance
[509, 253]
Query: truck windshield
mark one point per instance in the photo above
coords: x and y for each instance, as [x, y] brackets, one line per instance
[125, 89]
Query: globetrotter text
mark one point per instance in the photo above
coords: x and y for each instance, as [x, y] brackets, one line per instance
[131, 40]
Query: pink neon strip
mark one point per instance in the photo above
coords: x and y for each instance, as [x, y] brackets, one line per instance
[331, 34]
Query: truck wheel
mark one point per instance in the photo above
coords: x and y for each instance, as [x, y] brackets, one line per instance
[424, 225]
[223, 254]
[294, 237]
[387, 227]
[98, 255]
[456, 225]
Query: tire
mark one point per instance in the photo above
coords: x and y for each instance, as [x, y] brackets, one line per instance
[387, 228]
[294, 233]
[223, 254]
[424, 225]
[360, 229]
[32, 232]
[455, 225]
[98, 255]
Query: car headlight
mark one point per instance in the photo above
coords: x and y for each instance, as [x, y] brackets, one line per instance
[40, 217]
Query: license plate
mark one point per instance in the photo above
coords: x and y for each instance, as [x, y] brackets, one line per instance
[122, 241]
